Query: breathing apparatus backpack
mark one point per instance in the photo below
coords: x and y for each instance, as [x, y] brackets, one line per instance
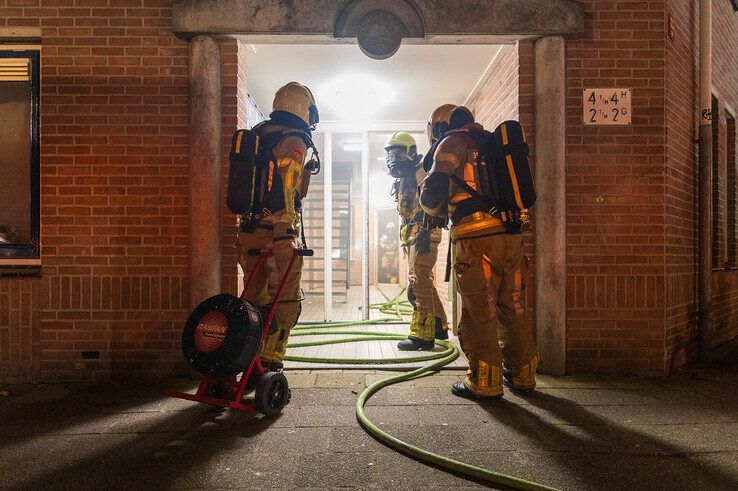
[255, 188]
[505, 186]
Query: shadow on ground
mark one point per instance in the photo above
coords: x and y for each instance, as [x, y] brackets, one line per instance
[580, 432]
[611, 456]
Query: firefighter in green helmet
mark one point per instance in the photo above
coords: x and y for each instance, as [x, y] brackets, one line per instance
[420, 244]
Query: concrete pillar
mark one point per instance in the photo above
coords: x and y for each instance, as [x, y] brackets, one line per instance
[205, 140]
[550, 209]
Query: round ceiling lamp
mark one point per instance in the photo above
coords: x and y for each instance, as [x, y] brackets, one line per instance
[379, 34]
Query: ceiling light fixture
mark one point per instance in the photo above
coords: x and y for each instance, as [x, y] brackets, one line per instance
[352, 146]
[356, 97]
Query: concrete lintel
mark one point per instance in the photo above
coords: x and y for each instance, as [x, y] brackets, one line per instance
[205, 140]
[455, 39]
[550, 210]
[318, 17]
[14, 35]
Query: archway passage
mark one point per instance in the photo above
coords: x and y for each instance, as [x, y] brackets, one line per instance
[318, 22]
[360, 270]
[350, 214]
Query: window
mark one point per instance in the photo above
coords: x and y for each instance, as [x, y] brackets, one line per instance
[253, 113]
[732, 217]
[19, 153]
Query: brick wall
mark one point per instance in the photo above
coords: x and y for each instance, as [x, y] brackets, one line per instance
[498, 97]
[680, 198]
[234, 116]
[114, 191]
[682, 55]
[19, 328]
[725, 84]
[615, 194]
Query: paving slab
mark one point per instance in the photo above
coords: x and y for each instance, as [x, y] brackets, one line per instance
[574, 432]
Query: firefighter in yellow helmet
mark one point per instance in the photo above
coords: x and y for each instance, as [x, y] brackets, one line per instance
[293, 109]
[388, 260]
[420, 244]
[491, 271]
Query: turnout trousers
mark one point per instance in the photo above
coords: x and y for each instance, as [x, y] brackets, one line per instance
[492, 274]
[422, 292]
[282, 241]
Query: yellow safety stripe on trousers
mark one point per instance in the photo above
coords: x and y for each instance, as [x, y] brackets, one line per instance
[488, 380]
[511, 170]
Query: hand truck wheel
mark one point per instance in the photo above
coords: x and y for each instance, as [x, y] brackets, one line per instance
[272, 394]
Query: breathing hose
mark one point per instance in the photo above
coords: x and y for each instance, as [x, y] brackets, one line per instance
[439, 359]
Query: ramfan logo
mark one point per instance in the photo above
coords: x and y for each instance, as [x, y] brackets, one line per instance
[211, 331]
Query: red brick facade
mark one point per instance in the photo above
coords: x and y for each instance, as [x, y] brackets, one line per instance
[507, 93]
[114, 194]
[682, 71]
[615, 194]
[115, 188]
[234, 115]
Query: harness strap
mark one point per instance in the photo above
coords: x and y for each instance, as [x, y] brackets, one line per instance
[448, 260]
[302, 229]
[484, 201]
[247, 226]
[515, 231]
[465, 208]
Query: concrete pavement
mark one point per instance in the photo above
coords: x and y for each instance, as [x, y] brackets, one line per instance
[580, 432]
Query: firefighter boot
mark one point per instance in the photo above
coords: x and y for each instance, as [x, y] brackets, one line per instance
[441, 330]
[459, 389]
[414, 344]
[524, 380]
[421, 333]
[484, 382]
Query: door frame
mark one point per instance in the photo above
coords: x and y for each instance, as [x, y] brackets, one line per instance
[545, 23]
[328, 128]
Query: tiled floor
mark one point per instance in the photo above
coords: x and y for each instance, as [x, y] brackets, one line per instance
[348, 307]
[365, 349]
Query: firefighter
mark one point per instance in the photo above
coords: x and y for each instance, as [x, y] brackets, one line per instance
[388, 261]
[491, 271]
[293, 109]
[419, 243]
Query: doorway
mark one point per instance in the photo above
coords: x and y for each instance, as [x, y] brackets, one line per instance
[416, 22]
[350, 214]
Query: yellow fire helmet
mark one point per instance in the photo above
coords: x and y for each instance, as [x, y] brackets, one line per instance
[402, 139]
[297, 99]
[438, 122]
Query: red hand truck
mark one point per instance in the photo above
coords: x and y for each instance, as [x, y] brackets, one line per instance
[272, 390]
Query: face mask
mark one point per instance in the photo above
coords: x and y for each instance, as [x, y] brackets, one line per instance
[400, 164]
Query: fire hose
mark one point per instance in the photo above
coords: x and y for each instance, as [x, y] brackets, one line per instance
[439, 359]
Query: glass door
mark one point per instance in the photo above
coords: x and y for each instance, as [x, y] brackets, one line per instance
[313, 269]
[351, 222]
[348, 226]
